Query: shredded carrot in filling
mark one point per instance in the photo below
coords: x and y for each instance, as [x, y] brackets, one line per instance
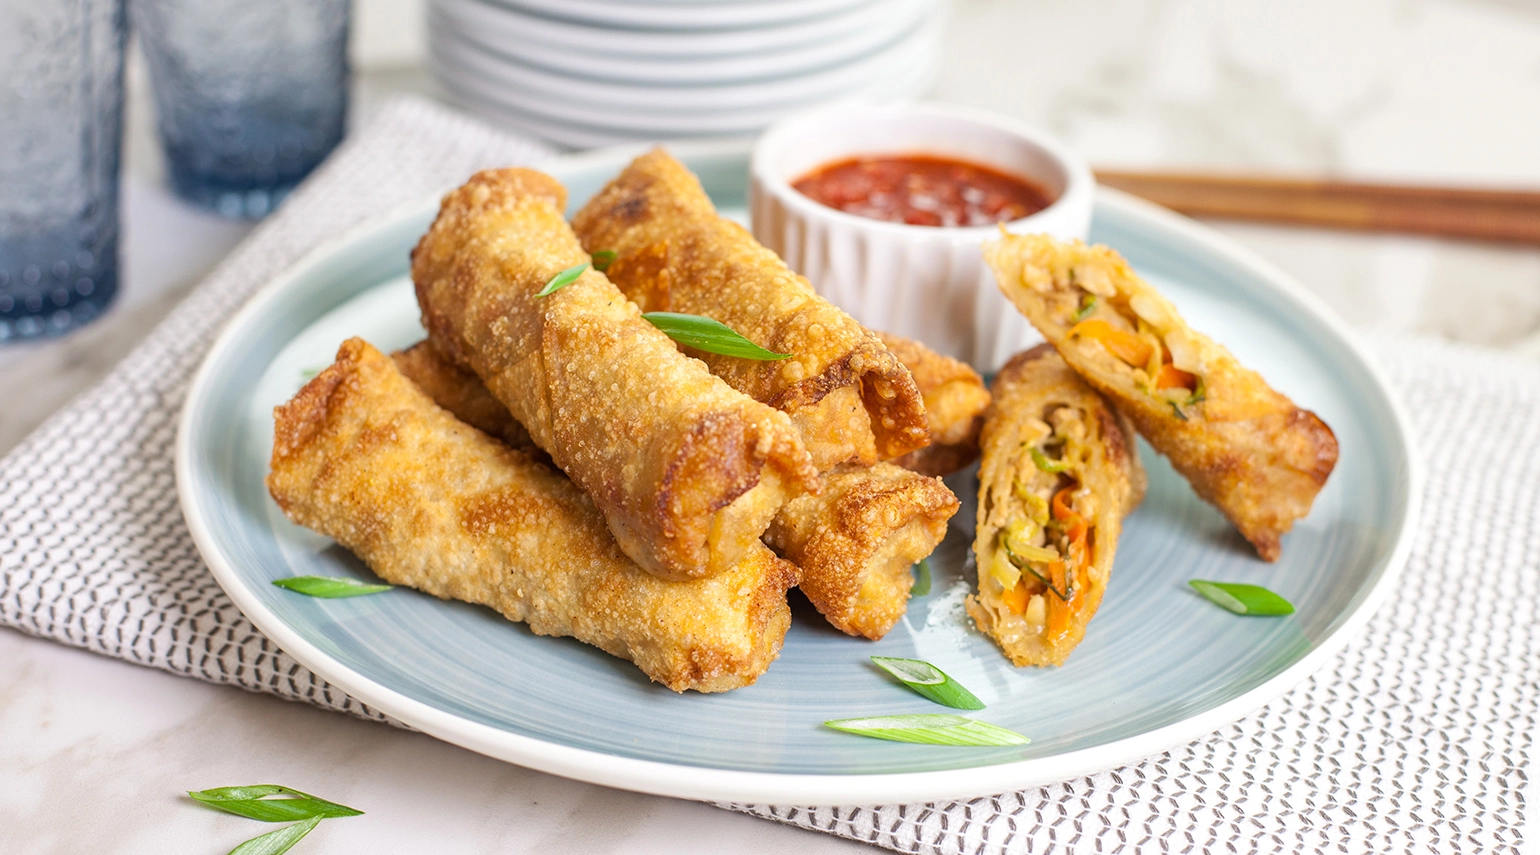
[1016, 598]
[1061, 612]
[1124, 345]
[1171, 377]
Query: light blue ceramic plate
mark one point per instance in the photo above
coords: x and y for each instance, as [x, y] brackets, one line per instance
[1159, 665]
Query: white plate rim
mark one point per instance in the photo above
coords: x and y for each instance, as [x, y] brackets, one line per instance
[752, 787]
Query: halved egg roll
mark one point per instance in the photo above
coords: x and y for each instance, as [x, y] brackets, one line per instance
[1245, 448]
[686, 471]
[955, 401]
[854, 541]
[851, 399]
[1059, 471]
[363, 456]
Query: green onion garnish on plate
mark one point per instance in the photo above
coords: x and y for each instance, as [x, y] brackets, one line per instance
[930, 682]
[1243, 599]
[929, 729]
[329, 588]
[921, 585]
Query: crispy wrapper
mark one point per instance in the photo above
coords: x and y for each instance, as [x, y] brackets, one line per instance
[463, 394]
[1046, 540]
[362, 456]
[687, 471]
[1244, 447]
[852, 400]
[854, 541]
[858, 539]
[955, 401]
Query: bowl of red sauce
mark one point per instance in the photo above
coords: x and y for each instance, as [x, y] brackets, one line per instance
[884, 209]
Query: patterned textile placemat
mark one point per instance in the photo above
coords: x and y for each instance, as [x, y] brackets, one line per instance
[1414, 739]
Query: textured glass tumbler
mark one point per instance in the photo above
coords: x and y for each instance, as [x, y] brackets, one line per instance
[250, 94]
[61, 123]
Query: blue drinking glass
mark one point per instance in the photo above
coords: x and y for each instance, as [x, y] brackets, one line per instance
[61, 126]
[250, 94]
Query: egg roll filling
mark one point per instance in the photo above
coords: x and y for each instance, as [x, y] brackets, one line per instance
[1046, 547]
[1140, 339]
[1244, 447]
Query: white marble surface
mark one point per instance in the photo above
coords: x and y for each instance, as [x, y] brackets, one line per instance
[95, 752]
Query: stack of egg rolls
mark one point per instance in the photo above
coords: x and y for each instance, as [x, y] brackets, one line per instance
[851, 399]
[551, 454]
[854, 542]
[687, 471]
[362, 455]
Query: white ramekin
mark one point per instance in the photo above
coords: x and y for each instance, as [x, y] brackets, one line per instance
[924, 282]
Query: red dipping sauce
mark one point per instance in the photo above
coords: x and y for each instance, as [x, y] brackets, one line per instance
[922, 191]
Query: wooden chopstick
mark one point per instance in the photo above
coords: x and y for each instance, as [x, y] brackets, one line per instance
[1493, 215]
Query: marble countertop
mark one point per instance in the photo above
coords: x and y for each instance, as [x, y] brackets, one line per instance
[95, 752]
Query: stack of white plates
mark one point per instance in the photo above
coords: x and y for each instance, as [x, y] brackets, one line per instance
[585, 73]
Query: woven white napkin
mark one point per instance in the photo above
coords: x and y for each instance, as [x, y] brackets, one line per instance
[1414, 739]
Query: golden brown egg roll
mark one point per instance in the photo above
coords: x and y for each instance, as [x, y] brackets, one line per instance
[955, 400]
[362, 456]
[687, 471]
[854, 541]
[1059, 471]
[851, 399]
[462, 394]
[1245, 448]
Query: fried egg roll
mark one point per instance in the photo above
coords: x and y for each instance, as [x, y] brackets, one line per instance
[854, 541]
[1059, 471]
[955, 401]
[1245, 448]
[362, 456]
[850, 398]
[462, 394]
[687, 471]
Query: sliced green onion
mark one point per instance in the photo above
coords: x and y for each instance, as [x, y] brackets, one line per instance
[1087, 304]
[562, 280]
[1199, 394]
[279, 841]
[712, 336]
[1243, 599]
[922, 583]
[252, 803]
[1046, 463]
[1023, 564]
[929, 729]
[329, 588]
[930, 681]
[1178, 410]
